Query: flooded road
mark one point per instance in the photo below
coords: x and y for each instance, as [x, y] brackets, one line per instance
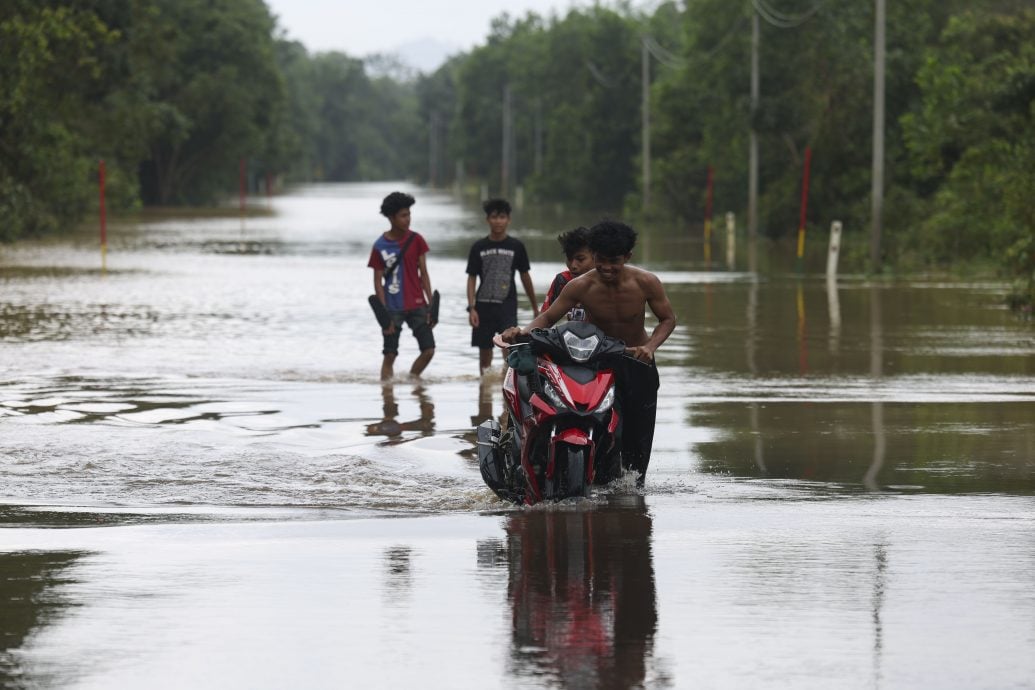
[203, 483]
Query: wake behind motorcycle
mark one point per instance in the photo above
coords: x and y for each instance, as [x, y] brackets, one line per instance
[563, 429]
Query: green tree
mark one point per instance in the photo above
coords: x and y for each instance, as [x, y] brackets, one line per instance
[973, 142]
[204, 78]
[47, 69]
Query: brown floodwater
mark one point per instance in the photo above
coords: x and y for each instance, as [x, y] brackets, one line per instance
[204, 484]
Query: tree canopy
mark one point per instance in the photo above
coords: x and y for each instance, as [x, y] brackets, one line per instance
[174, 93]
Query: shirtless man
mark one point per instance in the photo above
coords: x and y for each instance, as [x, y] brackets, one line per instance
[614, 296]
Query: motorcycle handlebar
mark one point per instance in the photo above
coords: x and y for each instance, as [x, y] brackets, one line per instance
[525, 339]
[499, 342]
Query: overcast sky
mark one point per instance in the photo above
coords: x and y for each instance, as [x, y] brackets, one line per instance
[361, 27]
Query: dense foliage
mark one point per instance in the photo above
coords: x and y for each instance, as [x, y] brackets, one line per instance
[174, 93]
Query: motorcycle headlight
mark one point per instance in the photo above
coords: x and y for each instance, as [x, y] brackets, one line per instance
[580, 349]
[554, 397]
[607, 402]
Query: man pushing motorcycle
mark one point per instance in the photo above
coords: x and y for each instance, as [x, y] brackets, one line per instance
[614, 296]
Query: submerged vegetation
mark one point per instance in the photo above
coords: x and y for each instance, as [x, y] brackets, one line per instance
[173, 94]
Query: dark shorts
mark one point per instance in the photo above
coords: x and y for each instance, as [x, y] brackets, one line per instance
[417, 320]
[493, 318]
[638, 398]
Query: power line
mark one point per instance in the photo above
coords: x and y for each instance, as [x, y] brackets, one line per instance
[725, 40]
[599, 76]
[665, 57]
[780, 19]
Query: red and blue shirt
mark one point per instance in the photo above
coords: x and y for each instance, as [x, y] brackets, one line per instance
[402, 283]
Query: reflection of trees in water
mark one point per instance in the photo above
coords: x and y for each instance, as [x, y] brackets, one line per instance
[865, 444]
[390, 425]
[870, 479]
[29, 600]
[581, 588]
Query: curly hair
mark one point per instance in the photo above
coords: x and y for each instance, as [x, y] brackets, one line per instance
[395, 202]
[611, 238]
[574, 240]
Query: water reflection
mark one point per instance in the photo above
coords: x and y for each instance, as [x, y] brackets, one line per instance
[30, 599]
[854, 416]
[880, 576]
[803, 347]
[582, 593]
[834, 312]
[390, 425]
[877, 406]
[398, 576]
[485, 390]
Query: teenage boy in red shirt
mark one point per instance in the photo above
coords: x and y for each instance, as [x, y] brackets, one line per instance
[402, 284]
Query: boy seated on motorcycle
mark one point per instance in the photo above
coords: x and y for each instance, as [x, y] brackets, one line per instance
[614, 296]
[578, 259]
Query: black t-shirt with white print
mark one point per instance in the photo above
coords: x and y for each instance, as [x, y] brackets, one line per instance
[495, 263]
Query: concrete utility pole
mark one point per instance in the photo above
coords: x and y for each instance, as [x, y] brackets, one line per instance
[645, 69]
[877, 190]
[505, 162]
[756, 37]
[432, 150]
[537, 160]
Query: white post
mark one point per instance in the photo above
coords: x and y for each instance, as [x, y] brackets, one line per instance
[731, 241]
[833, 301]
[519, 197]
[835, 249]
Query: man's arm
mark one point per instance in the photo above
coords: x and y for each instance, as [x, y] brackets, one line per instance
[526, 280]
[472, 313]
[425, 281]
[566, 299]
[658, 302]
[379, 290]
[379, 287]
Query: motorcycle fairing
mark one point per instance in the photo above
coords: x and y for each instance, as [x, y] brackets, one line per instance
[580, 397]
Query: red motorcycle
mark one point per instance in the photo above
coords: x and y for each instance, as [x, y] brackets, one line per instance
[562, 426]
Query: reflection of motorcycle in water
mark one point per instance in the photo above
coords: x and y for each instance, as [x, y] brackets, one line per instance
[581, 588]
[564, 427]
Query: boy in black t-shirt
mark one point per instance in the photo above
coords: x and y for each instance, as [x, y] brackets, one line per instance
[491, 263]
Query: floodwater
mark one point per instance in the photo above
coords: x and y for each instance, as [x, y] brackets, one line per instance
[203, 484]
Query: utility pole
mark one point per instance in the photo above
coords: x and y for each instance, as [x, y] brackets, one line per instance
[753, 136]
[537, 160]
[645, 69]
[505, 162]
[877, 190]
[432, 150]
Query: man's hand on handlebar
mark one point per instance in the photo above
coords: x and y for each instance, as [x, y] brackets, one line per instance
[511, 335]
[642, 353]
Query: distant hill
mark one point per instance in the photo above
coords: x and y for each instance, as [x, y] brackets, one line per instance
[424, 54]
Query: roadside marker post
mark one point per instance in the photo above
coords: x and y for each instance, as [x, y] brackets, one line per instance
[804, 206]
[834, 249]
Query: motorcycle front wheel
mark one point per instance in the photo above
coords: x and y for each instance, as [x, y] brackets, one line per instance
[569, 479]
